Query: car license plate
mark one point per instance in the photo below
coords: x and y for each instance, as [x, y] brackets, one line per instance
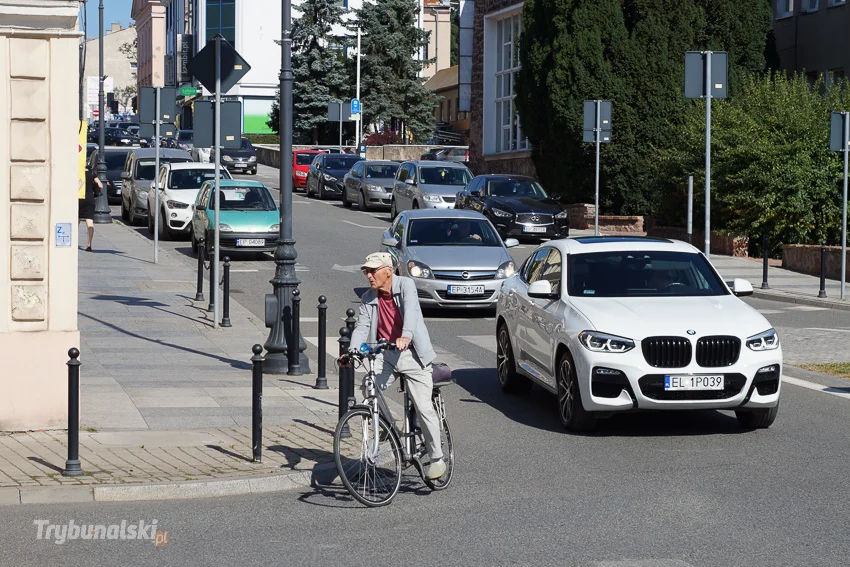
[238, 165]
[465, 289]
[250, 242]
[693, 382]
[534, 229]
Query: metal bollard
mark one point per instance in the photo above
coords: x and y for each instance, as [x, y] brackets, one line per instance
[764, 245]
[72, 465]
[344, 343]
[822, 291]
[292, 354]
[321, 377]
[199, 294]
[225, 317]
[257, 404]
[350, 321]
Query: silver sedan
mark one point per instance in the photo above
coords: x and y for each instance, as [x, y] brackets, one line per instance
[456, 258]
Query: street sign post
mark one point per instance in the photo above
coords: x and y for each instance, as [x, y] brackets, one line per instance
[355, 108]
[218, 67]
[341, 111]
[705, 77]
[597, 129]
[839, 141]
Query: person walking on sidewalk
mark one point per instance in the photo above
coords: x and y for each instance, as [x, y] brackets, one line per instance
[86, 206]
[390, 310]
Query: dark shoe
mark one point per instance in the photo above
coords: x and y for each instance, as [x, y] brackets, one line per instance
[88, 248]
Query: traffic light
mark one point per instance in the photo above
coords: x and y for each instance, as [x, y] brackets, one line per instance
[113, 107]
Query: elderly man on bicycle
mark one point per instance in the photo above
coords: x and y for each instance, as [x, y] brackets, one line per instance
[390, 310]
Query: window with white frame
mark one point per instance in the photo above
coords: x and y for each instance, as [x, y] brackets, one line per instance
[509, 136]
[784, 8]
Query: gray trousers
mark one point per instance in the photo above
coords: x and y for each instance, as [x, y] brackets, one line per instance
[419, 386]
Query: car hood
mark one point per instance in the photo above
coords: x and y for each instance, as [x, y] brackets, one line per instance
[187, 196]
[641, 317]
[248, 221]
[525, 204]
[459, 257]
[442, 190]
[338, 173]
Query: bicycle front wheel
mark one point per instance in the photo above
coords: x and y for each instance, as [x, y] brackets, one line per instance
[371, 476]
[448, 449]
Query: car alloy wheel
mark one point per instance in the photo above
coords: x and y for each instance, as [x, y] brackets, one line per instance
[164, 233]
[345, 202]
[125, 215]
[393, 211]
[361, 202]
[509, 379]
[572, 414]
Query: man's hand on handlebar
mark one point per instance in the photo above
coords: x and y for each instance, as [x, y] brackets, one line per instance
[402, 343]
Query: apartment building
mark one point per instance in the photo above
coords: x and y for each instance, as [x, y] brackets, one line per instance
[813, 36]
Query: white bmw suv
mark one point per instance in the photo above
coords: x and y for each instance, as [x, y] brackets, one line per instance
[612, 324]
[179, 184]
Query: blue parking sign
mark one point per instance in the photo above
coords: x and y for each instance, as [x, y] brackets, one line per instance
[355, 106]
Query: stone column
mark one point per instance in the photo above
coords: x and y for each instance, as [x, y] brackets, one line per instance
[39, 74]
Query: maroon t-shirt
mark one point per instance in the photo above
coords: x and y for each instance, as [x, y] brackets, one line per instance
[390, 322]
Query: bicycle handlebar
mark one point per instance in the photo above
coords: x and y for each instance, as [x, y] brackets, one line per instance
[369, 351]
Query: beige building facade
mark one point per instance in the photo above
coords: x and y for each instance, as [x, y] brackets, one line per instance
[149, 16]
[813, 36]
[435, 19]
[117, 66]
[39, 72]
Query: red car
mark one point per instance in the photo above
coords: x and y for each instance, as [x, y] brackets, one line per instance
[301, 160]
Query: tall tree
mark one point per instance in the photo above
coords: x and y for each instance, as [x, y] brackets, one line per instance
[321, 71]
[632, 53]
[390, 84]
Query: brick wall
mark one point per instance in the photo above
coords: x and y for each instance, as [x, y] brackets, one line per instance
[724, 243]
[805, 258]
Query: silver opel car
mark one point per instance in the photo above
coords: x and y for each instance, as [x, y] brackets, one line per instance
[456, 258]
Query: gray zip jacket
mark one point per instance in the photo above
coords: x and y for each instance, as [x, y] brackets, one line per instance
[413, 326]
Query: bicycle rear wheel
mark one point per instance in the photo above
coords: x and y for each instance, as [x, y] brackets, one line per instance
[373, 480]
[448, 449]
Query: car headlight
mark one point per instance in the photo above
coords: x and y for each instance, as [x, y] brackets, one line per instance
[125, 140]
[300, 174]
[432, 198]
[329, 178]
[143, 195]
[274, 228]
[562, 215]
[419, 270]
[767, 340]
[176, 205]
[374, 188]
[226, 158]
[225, 227]
[252, 158]
[506, 270]
[501, 213]
[603, 342]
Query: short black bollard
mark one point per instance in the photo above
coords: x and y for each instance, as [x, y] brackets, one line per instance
[321, 377]
[257, 404]
[344, 343]
[764, 245]
[350, 321]
[72, 465]
[822, 291]
[225, 317]
[292, 346]
[199, 294]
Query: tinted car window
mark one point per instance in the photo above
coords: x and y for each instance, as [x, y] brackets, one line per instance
[444, 176]
[246, 144]
[114, 160]
[642, 274]
[381, 171]
[341, 161]
[515, 188]
[244, 199]
[533, 268]
[145, 168]
[552, 270]
[304, 159]
[192, 178]
[185, 136]
[451, 232]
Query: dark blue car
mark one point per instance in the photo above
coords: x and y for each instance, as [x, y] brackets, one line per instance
[325, 177]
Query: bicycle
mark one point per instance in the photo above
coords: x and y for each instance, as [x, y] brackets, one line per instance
[379, 451]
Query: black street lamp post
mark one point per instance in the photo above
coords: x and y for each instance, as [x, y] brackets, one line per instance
[284, 281]
[102, 214]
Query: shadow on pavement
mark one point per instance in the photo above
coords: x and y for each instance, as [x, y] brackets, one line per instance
[224, 451]
[142, 302]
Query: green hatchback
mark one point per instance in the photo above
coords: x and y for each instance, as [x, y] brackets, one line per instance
[248, 217]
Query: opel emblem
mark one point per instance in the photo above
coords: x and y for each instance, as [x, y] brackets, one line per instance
[691, 332]
[464, 275]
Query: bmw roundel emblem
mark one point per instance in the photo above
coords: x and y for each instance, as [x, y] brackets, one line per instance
[691, 332]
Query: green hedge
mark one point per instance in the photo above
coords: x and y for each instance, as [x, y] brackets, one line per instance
[263, 138]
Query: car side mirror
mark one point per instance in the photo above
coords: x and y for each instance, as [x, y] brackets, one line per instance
[475, 193]
[125, 175]
[511, 242]
[741, 287]
[389, 241]
[410, 181]
[541, 289]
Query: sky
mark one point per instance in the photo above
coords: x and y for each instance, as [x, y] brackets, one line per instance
[113, 11]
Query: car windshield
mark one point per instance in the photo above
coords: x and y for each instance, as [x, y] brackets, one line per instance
[341, 161]
[184, 136]
[146, 169]
[115, 160]
[451, 232]
[304, 159]
[444, 175]
[381, 171]
[246, 144]
[193, 178]
[642, 274]
[515, 188]
[244, 199]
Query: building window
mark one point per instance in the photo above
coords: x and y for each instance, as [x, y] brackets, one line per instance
[810, 6]
[508, 130]
[784, 8]
[221, 19]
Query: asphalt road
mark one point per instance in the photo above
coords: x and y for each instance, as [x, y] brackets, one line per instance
[647, 489]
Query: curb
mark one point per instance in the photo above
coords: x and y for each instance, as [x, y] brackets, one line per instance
[321, 474]
[800, 300]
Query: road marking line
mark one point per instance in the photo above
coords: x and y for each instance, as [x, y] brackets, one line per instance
[817, 387]
[363, 225]
[829, 330]
[234, 271]
[770, 311]
[807, 308]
